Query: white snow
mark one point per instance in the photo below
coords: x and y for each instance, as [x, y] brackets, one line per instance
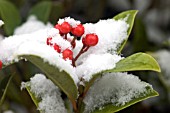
[71, 21]
[43, 88]
[1, 23]
[10, 45]
[31, 25]
[94, 64]
[115, 88]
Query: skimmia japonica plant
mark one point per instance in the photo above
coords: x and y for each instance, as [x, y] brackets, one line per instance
[84, 62]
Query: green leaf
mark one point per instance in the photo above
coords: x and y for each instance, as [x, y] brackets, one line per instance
[10, 15]
[130, 15]
[42, 10]
[140, 40]
[33, 97]
[57, 11]
[110, 108]
[136, 62]
[4, 84]
[60, 78]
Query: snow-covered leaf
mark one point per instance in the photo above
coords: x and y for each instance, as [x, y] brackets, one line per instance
[136, 62]
[10, 15]
[50, 102]
[42, 10]
[109, 108]
[60, 78]
[129, 16]
[116, 91]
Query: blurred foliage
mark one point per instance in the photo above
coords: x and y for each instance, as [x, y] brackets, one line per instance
[10, 14]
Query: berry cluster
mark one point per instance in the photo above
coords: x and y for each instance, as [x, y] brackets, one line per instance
[77, 31]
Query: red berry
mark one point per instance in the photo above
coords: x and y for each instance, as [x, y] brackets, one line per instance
[90, 40]
[1, 64]
[65, 28]
[58, 26]
[57, 48]
[78, 31]
[48, 41]
[67, 54]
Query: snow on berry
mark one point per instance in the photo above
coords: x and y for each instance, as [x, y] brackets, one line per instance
[51, 102]
[71, 21]
[114, 88]
[64, 44]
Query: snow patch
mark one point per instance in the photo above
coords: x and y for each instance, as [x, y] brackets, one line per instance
[115, 88]
[96, 63]
[31, 25]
